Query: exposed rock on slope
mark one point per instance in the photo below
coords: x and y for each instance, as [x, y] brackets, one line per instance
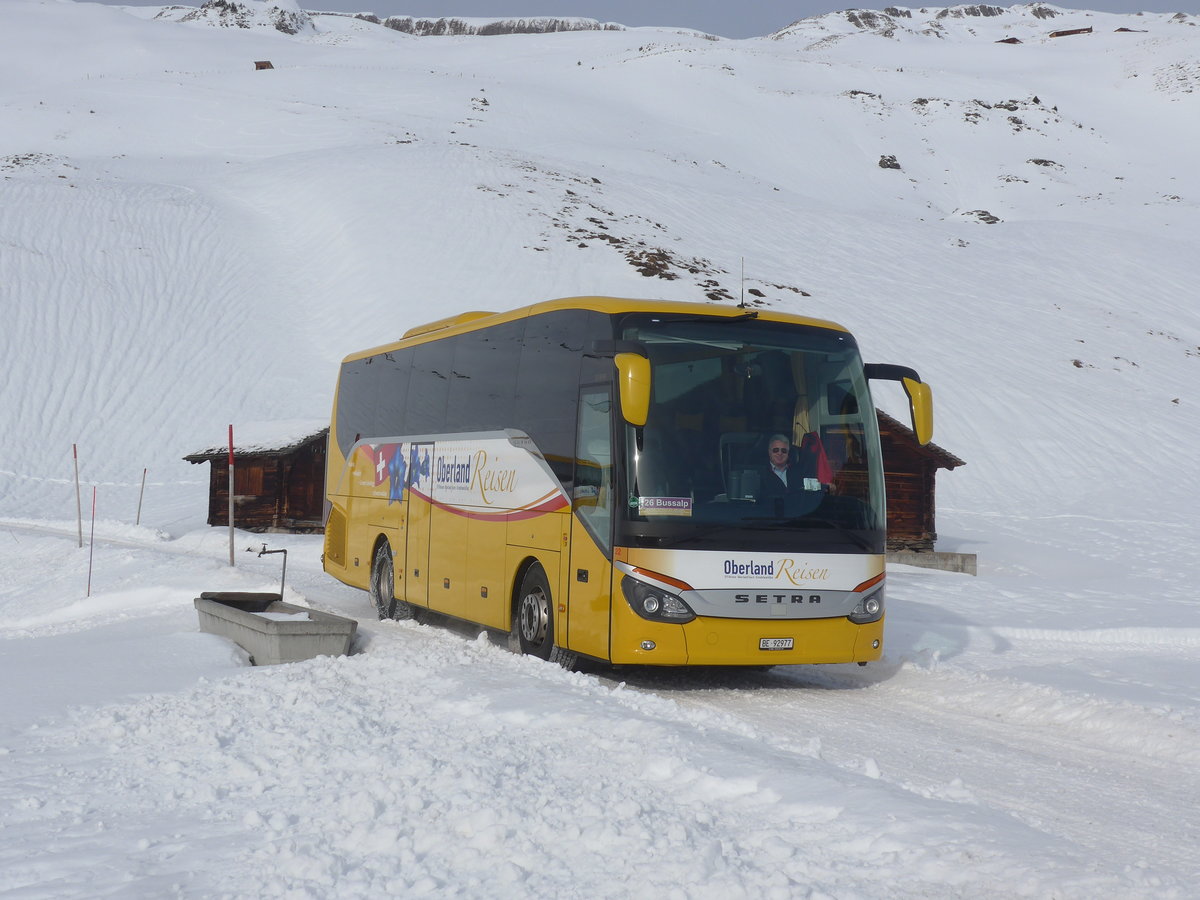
[282, 15]
[457, 26]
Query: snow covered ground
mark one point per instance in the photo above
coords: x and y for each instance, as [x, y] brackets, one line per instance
[187, 242]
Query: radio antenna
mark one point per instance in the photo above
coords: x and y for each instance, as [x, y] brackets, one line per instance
[742, 291]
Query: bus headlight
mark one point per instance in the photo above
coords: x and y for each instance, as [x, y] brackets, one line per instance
[869, 609]
[654, 603]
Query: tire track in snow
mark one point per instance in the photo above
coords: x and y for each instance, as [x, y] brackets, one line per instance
[1126, 796]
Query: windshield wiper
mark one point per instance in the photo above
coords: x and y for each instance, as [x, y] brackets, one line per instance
[694, 535]
[808, 522]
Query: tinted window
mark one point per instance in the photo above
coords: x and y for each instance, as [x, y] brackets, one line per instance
[391, 370]
[548, 385]
[523, 374]
[429, 388]
[357, 390]
[724, 392]
[595, 485]
[484, 378]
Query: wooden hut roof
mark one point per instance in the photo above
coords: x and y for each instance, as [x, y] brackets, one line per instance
[943, 459]
[266, 439]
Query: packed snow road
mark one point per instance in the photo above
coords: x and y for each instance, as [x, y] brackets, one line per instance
[1103, 778]
[970, 762]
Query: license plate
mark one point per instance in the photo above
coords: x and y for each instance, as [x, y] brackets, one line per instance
[774, 643]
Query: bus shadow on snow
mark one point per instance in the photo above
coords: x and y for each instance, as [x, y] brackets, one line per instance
[917, 634]
[841, 676]
[834, 677]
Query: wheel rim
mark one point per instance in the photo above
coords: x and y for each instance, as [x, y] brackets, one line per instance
[383, 584]
[535, 613]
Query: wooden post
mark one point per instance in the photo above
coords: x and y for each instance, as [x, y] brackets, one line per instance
[141, 493]
[78, 502]
[231, 495]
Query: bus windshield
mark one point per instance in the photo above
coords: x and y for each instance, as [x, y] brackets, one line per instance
[760, 436]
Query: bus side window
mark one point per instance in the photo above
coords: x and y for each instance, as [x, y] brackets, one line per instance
[842, 401]
[593, 490]
[483, 381]
[392, 369]
[429, 387]
[548, 387]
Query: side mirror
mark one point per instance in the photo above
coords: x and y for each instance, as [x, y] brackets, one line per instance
[633, 382]
[920, 408]
[920, 396]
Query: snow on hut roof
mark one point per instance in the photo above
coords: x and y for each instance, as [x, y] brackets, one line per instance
[943, 458]
[276, 438]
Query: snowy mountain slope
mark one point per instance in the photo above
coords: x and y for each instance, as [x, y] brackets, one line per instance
[769, 145]
[186, 242]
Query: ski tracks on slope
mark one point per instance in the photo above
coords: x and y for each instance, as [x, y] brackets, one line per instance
[156, 258]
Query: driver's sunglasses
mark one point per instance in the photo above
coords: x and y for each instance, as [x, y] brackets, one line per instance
[779, 449]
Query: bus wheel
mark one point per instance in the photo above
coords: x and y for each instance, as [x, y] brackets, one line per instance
[383, 582]
[533, 619]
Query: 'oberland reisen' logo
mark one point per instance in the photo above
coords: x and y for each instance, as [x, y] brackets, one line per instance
[761, 570]
[453, 471]
[788, 570]
[475, 473]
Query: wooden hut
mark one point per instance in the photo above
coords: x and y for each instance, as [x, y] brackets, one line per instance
[279, 477]
[909, 471]
[1071, 31]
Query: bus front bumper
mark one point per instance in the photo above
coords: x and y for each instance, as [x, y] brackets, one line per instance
[710, 641]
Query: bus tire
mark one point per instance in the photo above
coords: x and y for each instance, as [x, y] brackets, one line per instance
[533, 619]
[383, 585]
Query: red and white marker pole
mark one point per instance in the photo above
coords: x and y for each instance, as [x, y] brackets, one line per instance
[78, 502]
[231, 495]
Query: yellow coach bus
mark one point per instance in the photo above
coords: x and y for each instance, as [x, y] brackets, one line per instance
[636, 482]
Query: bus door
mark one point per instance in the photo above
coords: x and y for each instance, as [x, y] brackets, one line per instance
[590, 572]
[385, 509]
[418, 494]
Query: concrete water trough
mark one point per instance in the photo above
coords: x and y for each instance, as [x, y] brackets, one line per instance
[272, 631]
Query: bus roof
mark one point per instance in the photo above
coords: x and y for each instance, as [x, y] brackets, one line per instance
[475, 320]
